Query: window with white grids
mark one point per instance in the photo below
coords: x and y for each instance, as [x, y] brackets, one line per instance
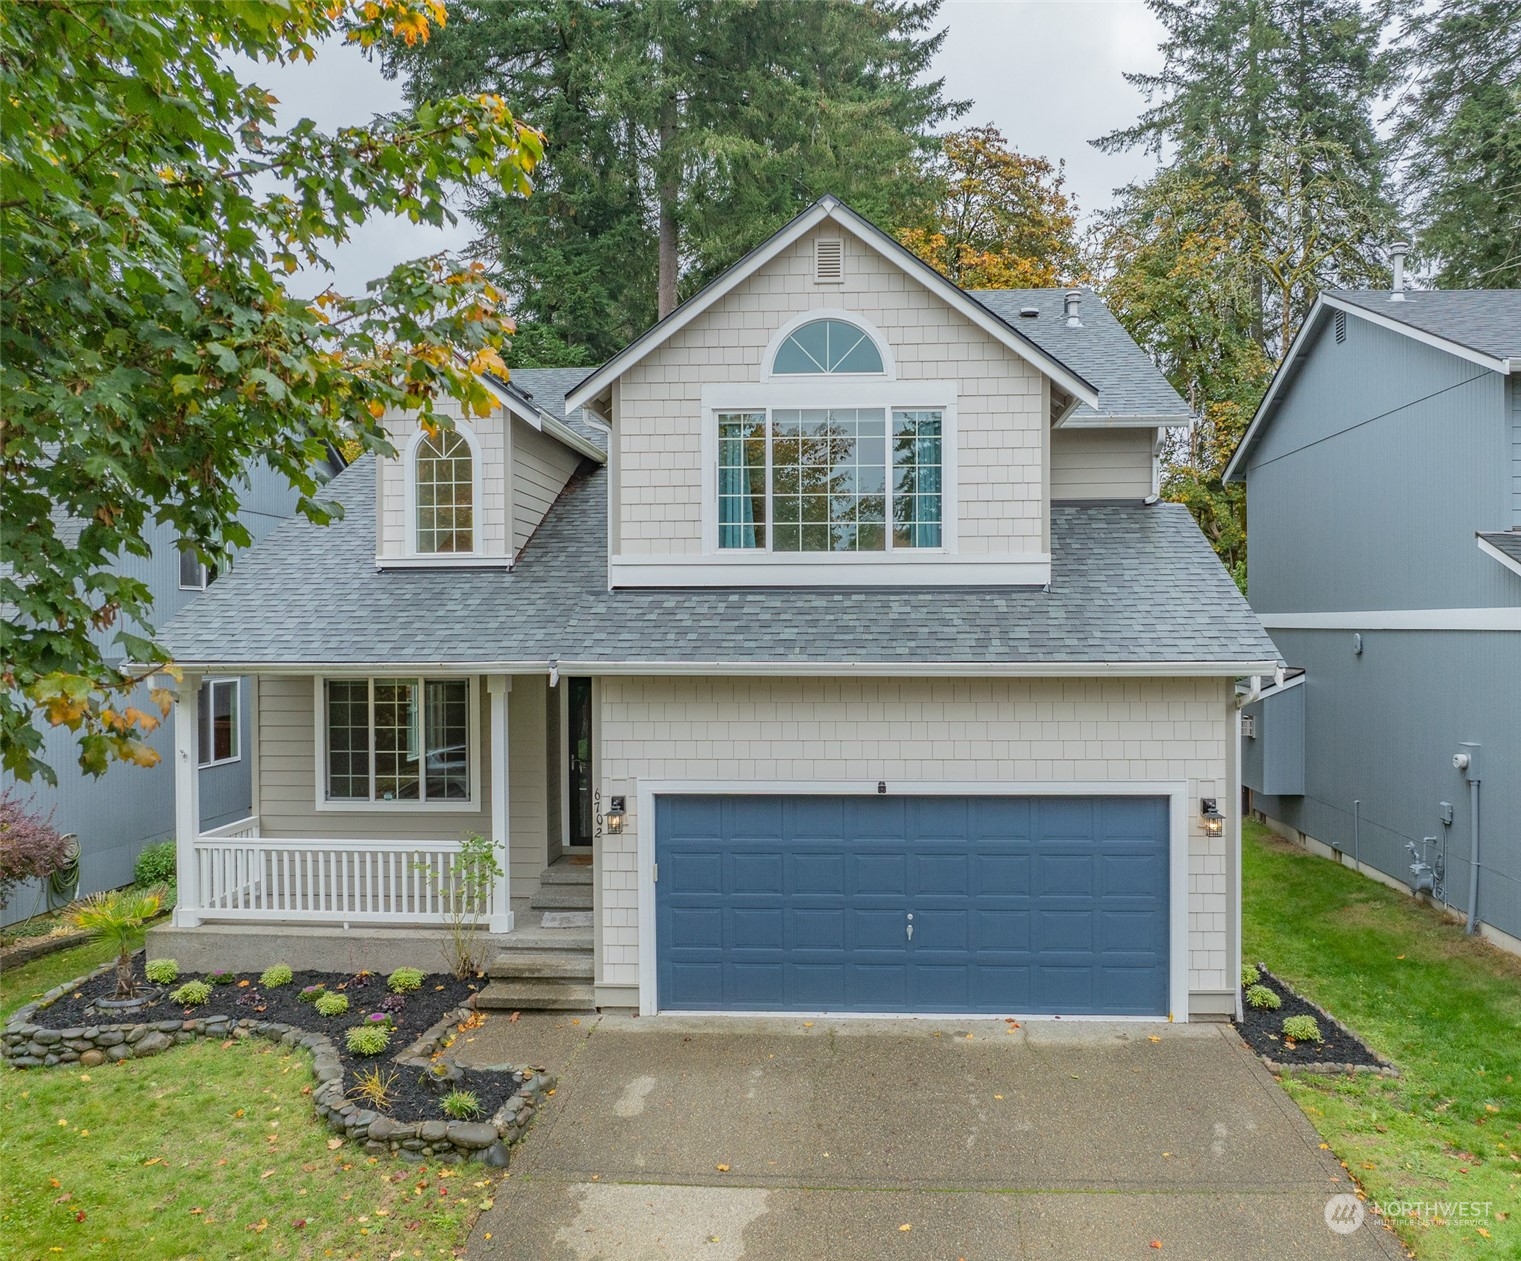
[444, 488]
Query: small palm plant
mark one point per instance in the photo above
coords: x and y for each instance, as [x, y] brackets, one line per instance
[113, 917]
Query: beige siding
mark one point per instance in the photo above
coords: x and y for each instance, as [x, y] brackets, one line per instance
[987, 731]
[288, 779]
[1101, 463]
[527, 779]
[394, 530]
[540, 468]
[1000, 424]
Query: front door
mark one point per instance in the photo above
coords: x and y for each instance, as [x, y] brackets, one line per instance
[578, 729]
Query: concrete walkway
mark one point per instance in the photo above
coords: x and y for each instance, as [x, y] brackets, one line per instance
[721, 1139]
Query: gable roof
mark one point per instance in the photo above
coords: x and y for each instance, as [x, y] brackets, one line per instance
[1130, 387]
[1482, 326]
[831, 208]
[1132, 589]
[518, 398]
[1503, 545]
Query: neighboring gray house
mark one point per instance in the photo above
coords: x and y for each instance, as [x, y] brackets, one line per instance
[115, 815]
[825, 650]
[1383, 491]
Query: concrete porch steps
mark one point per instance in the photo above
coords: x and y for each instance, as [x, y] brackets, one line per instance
[562, 897]
[543, 965]
[542, 969]
[563, 872]
[537, 995]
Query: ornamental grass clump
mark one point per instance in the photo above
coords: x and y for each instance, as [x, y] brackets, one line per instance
[1263, 999]
[162, 971]
[191, 994]
[376, 1088]
[332, 1004]
[1301, 1029]
[276, 975]
[461, 1105]
[368, 1039]
[405, 980]
[114, 917]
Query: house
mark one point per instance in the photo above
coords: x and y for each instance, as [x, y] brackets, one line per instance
[825, 650]
[1383, 490]
[115, 815]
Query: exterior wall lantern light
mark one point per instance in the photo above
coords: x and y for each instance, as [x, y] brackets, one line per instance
[1214, 821]
[615, 814]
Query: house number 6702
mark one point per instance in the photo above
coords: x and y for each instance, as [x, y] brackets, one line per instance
[597, 813]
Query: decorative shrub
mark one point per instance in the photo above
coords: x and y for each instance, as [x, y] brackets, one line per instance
[381, 1018]
[368, 1039]
[191, 994]
[276, 975]
[461, 1105]
[311, 993]
[374, 1088]
[1263, 999]
[114, 917]
[405, 980]
[332, 1004]
[31, 848]
[1301, 1028]
[220, 976]
[162, 971]
[1249, 975]
[155, 865]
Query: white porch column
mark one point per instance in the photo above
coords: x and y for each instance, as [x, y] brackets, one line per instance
[498, 686]
[187, 801]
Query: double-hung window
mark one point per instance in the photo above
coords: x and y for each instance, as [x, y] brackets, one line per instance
[403, 739]
[218, 738]
[830, 479]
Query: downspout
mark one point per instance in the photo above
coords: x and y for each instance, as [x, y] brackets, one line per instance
[1357, 820]
[1473, 865]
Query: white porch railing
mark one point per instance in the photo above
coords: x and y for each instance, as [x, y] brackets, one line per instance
[239, 875]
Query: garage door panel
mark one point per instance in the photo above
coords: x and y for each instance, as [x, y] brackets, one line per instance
[1020, 905]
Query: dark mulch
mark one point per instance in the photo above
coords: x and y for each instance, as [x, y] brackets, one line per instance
[412, 1016]
[1263, 1032]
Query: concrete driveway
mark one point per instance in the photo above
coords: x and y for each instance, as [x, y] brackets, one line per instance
[721, 1139]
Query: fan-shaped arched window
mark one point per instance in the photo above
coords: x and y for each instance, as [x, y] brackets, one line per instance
[824, 347]
[445, 486]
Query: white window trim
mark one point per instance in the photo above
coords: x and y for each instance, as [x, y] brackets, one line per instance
[409, 503]
[1180, 827]
[836, 391]
[201, 569]
[470, 805]
[884, 348]
[210, 709]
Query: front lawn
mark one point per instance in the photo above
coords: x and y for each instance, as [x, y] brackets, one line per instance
[1444, 1008]
[209, 1150]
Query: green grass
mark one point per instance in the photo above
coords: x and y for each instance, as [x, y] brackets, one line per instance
[208, 1150]
[1444, 1008]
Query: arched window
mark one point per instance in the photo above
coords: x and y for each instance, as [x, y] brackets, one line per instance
[444, 475]
[824, 347]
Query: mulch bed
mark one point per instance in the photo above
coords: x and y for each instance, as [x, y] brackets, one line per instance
[412, 1016]
[1263, 1032]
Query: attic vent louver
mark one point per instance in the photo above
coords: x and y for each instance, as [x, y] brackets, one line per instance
[1341, 327]
[1029, 312]
[828, 260]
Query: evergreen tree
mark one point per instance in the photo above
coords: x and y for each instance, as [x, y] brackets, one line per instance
[1458, 128]
[679, 133]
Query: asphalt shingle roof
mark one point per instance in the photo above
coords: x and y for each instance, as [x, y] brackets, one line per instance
[1507, 541]
[1130, 584]
[1486, 320]
[1101, 351]
[548, 387]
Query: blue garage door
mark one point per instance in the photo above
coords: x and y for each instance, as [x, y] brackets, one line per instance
[912, 904]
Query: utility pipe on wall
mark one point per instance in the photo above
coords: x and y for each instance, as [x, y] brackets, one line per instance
[1467, 761]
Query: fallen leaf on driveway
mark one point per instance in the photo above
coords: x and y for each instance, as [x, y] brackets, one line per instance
[514, 1018]
[1156, 1243]
[722, 1168]
[906, 1226]
[1153, 1038]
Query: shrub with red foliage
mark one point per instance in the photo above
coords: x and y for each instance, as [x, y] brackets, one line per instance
[31, 848]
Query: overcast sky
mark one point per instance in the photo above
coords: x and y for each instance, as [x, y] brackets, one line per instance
[1047, 73]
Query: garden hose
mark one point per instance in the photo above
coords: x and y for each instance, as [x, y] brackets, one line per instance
[63, 884]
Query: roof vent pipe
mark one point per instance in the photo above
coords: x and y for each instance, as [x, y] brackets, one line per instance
[1070, 304]
[1397, 253]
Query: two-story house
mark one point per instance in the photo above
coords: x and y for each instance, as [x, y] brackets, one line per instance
[114, 815]
[1383, 491]
[826, 650]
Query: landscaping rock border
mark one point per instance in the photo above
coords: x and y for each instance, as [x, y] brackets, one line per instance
[37, 947]
[1382, 1067]
[29, 1045]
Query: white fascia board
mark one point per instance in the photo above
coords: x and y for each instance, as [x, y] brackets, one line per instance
[1490, 550]
[546, 422]
[1482, 619]
[1394, 325]
[1288, 368]
[755, 669]
[1108, 420]
[873, 238]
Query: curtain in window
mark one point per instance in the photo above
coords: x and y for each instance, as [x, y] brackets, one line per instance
[917, 479]
[742, 480]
